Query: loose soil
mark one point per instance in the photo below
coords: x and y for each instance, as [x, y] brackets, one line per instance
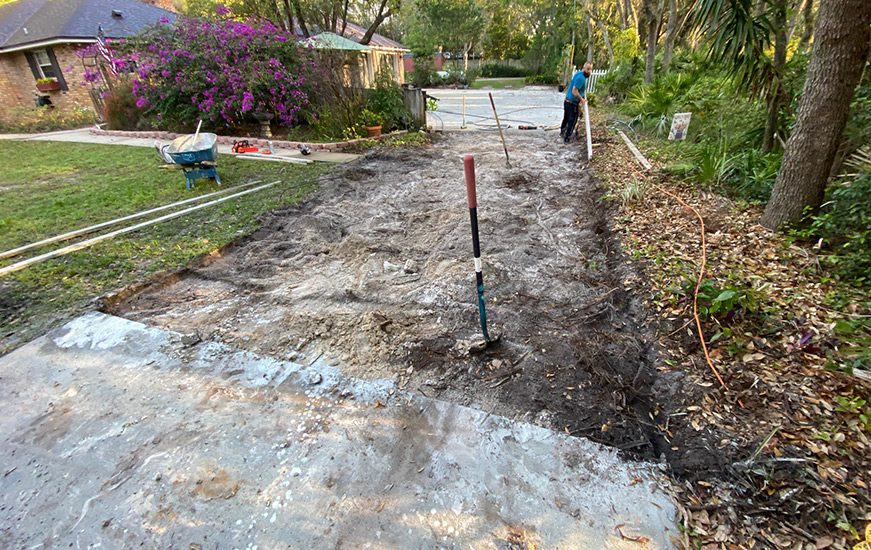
[375, 274]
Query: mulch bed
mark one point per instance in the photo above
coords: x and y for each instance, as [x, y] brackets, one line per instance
[792, 448]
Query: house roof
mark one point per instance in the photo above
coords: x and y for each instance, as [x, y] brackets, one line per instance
[31, 22]
[356, 32]
[332, 41]
[380, 42]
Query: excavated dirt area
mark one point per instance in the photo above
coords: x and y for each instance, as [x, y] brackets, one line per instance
[375, 274]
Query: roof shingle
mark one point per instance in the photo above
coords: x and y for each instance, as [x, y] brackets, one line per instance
[32, 21]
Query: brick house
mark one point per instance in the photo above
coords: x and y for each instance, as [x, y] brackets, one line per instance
[39, 38]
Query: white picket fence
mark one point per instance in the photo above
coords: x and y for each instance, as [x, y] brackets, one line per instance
[593, 79]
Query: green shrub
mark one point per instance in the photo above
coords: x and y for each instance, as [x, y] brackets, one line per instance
[618, 82]
[843, 225]
[455, 76]
[45, 119]
[751, 174]
[120, 110]
[541, 79]
[424, 73]
[660, 98]
[494, 70]
[369, 118]
[723, 302]
[713, 162]
[386, 101]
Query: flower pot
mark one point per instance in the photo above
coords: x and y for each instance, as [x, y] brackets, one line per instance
[373, 130]
[48, 86]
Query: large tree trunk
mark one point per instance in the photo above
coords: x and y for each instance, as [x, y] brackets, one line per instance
[670, 31]
[776, 94]
[808, 32]
[839, 54]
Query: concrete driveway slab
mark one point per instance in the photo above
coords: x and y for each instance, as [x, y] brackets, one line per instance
[116, 435]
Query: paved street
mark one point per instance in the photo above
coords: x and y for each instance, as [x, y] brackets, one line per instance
[541, 106]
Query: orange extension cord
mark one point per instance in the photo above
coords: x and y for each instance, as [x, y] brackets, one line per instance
[699, 281]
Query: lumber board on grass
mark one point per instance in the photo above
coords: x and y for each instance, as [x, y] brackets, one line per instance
[90, 242]
[638, 156]
[273, 158]
[92, 228]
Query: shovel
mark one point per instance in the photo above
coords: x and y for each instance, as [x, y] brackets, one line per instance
[471, 194]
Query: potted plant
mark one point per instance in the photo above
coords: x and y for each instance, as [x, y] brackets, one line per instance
[47, 84]
[372, 122]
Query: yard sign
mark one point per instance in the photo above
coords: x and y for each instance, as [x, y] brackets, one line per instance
[679, 125]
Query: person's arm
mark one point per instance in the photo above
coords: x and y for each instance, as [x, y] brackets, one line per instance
[576, 93]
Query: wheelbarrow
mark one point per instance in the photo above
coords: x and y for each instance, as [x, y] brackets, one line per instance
[195, 154]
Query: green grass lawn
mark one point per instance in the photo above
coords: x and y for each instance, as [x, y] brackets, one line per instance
[48, 188]
[499, 83]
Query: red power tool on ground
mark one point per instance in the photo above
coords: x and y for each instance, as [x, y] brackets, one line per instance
[243, 147]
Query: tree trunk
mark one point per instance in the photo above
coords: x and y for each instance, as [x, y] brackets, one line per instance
[631, 14]
[300, 19]
[289, 13]
[344, 18]
[607, 43]
[795, 10]
[670, 31]
[652, 37]
[590, 39]
[837, 60]
[776, 95]
[641, 22]
[808, 32]
[621, 14]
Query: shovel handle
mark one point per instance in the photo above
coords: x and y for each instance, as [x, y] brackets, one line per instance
[469, 169]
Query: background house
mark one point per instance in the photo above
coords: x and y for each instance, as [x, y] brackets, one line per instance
[382, 52]
[367, 60]
[39, 38]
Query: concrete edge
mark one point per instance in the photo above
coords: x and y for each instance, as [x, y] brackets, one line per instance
[259, 142]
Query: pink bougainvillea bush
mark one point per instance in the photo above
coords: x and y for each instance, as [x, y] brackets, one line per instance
[219, 70]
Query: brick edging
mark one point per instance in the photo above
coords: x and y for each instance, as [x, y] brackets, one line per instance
[259, 142]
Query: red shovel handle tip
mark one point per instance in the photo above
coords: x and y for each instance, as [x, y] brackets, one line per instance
[469, 169]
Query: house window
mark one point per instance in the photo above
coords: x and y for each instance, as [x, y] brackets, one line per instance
[44, 64]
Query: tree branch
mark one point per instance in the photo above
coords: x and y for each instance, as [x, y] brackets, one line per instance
[382, 15]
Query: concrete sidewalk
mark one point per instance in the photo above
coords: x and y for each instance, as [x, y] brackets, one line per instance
[83, 135]
[118, 435]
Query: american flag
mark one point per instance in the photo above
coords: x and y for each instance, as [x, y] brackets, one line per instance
[104, 50]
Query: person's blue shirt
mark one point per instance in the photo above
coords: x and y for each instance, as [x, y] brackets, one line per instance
[579, 81]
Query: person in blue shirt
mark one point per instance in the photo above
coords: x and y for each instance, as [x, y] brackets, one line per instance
[574, 96]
